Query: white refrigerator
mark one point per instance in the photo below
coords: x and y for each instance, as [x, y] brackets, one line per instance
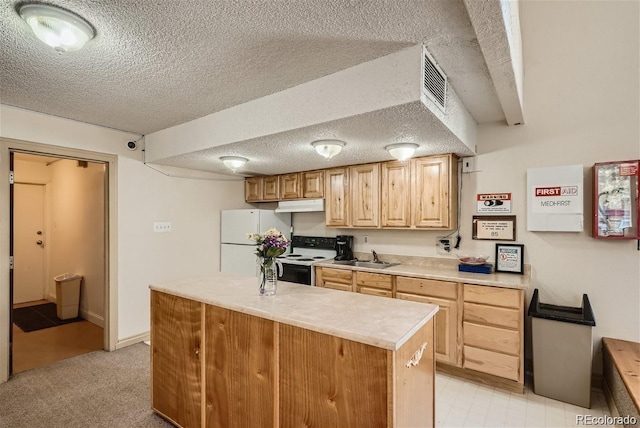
[237, 253]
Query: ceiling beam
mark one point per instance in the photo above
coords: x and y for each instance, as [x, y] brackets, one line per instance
[497, 27]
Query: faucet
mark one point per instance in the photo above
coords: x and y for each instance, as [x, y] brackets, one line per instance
[375, 256]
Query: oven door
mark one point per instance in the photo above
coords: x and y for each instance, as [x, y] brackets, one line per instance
[296, 273]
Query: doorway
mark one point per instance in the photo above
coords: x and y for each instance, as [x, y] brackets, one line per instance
[59, 227]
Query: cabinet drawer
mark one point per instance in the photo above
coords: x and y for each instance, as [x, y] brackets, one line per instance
[493, 338]
[494, 363]
[427, 287]
[343, 276]
[504, 317]
[337, 286]
[494, 296]
[375, 291]
[377, 280]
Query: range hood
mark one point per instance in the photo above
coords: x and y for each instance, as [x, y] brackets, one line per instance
[300, 206]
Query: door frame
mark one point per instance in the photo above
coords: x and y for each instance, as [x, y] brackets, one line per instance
[111, 238]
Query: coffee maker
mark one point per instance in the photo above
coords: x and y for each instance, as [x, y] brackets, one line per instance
[344, 247]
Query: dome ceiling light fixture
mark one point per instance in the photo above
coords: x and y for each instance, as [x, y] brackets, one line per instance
[402, 151]
[234, 162]
[64, 31]
[328, 148]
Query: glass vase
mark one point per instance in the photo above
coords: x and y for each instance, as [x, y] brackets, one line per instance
[268, 277]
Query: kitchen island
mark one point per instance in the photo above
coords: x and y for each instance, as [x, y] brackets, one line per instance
[223, 356]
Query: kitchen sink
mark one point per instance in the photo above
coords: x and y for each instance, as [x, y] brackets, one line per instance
[367, 264]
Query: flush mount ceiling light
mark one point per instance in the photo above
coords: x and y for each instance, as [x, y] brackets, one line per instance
[62, 30]
[402, 151]
[233, 162]
[328, 148]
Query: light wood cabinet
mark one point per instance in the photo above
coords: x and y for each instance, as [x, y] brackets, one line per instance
[313, 184]
[395, 209]
[253, 189]
[261, 189]
[375, 284]
[494, 331]
[255, 372]
[290, 186]
[336, 279]
[365, 195]
[442, 293]
[270, 186]
[336, 197]
[176, 338]
[434, 192]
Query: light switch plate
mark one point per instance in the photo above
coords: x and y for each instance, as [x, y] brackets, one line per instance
[468, 164]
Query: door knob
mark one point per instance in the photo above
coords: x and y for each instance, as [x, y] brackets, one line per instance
[39, 242]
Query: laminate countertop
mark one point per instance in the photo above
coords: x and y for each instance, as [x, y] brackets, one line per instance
[383, 323]
[504, 280]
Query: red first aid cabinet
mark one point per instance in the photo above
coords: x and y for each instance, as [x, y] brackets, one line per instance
[616, 211]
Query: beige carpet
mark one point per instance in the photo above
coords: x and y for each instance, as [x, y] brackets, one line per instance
[99, 389]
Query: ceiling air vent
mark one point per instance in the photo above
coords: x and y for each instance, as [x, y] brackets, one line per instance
[434, 81]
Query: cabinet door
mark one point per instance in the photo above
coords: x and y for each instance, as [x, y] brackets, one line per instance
[336, 199]
[313, 184]
[435, 192]
[253, 189]
[176, 338]
[446, 326]
[270, 188]
[365, 195]
[395, 200]
[336, 279]
[240, 369]
[290, 186]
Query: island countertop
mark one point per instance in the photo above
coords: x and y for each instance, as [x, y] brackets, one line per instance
[384, 323]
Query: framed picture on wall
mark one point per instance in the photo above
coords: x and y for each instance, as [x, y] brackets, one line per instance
[510, 258]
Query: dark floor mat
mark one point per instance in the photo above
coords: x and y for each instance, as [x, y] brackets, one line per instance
[38, 317]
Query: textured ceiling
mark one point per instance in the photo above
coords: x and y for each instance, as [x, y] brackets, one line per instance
[158, 63]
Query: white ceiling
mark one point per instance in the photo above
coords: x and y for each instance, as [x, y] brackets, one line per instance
[158, 63]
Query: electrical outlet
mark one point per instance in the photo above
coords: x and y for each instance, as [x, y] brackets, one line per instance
[366, 239]
[468, 164]
[161, 226]
[443, 245]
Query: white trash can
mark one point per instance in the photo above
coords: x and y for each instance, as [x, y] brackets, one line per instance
[67, 295]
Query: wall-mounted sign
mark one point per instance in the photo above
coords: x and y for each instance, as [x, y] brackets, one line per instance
[510, 258]
[494, 203]
[494, 228]
[555, 198]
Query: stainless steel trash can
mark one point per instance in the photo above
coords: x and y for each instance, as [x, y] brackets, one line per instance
[562, 350]
[67, 295]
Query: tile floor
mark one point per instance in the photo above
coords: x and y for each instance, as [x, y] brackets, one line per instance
[461, 403]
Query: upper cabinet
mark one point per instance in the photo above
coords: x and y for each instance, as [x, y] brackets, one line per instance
[365, 195]
[435, 192]
[290, 186]
[313, 184]
[420, 193]
[336, 204]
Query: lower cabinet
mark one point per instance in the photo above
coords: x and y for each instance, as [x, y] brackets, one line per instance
[336, 279]
[214, 367]
[493, 331]
[479, 329]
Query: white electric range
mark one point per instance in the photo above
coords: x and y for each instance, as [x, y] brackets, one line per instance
[305, 251]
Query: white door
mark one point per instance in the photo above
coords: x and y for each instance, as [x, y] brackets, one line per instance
[28, 243]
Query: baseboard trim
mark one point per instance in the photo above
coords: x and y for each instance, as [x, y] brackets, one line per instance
[133, 340]
[92, 318]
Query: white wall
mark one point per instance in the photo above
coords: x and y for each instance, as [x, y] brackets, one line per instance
[77, 231]
[144, 196]
[581, 92]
